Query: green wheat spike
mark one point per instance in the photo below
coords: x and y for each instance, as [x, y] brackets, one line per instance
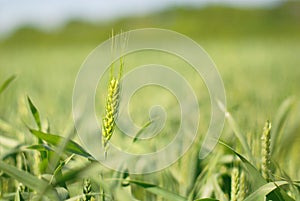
[113, 98]
[111, 111]
[266, 152]
[234, 184]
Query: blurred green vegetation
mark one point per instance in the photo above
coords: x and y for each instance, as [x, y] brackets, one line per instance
[256, 51]
[208, 23]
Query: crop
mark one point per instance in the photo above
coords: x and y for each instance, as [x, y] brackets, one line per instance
[111, 111]
[49, 169]
[257, 157]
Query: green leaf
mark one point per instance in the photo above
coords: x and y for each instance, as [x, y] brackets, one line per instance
[206, 199]
[158, 190]
[11, 152]
[264, 190]
[256, 177]
[86, 170]
[60, 167]
[63, 193]
[71, 174]
[29, 180]
[279, 122]
[55, 140]
[241, 137]
[35, 113]
[146, 125]
[219, 193]
[40, 147]
[6, 83]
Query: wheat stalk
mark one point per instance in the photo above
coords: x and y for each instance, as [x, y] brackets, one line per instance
[266, 153]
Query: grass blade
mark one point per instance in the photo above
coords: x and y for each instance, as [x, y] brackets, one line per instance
[72, 174]
[281, 117]
[256, 177]
[217, 189]
[242, 138]
[40, 147]
[55, 140]
[264, 190]
[146, 125]
[35, 113]
[6, 83]
[158, 190]
[58, 169]
[29, 180]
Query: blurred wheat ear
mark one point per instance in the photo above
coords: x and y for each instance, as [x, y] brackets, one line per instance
[266, 152]
[243, 186]
[234, 184]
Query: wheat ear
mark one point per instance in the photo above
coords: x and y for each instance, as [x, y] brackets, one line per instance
[87, 190]
[234, 184]
[113, 99]
[242, 187]
[266, 153]
[111, 111]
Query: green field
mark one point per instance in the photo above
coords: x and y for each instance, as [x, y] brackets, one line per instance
[257, 54]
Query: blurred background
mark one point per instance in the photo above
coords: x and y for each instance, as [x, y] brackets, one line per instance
[255, 45]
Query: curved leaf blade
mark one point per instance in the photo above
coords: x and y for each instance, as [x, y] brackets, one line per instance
[264, 190]
[29, 180]
[281, 117]
[6, 83]
[35, 113]
[255, 174]
[158, 190]
[236, 130]
[55, 140]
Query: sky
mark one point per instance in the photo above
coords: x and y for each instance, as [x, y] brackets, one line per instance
[50, 14]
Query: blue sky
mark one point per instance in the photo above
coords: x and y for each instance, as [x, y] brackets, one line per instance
[50, 14]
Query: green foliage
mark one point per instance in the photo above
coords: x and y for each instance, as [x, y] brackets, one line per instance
[264, 190]
[158, 190]
[29, 180]
[71, 146]
[204, 23]
[6, 83]
[256, 177]
[240, 136]
[256, 51]
[35, 113]
[280, 120]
